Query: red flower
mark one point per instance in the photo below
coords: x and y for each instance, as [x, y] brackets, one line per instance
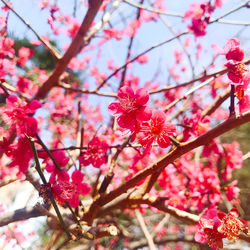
[208, 231]
[157, 130]
[56, 174]
[67, 191]
[237, 71]
[95, 153]
[230, 224]
[18, 115]
[233, 51]
[199, 26]
[130, 107]
[24, 55]
[113, 33]
[20, 154]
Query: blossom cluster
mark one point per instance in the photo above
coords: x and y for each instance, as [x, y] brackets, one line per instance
[200, 13]
[132, 113]
[238, 73]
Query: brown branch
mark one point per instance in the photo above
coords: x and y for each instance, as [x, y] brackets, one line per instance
[176, 153]
[209, 80]
[85, 91]
[199, 78]
[74, 48]
[217, 102]
[19, 214]
[144, 229]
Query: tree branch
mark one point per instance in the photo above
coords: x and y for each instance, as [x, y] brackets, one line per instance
[176, 153]
[74, 48]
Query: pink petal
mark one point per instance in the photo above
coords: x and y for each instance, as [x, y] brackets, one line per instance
[141, 96]
[74, 201]
[159, 116]
[77, 176]
[170, 128]
[125, 92]
[143, 114]
[63, 176]
[126, 120]
[221, 215]
[232, 43]
[163, 141]
[114, 108]
[217, 49]
[83, 188]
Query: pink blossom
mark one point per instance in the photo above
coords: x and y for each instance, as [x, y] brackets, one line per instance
[18, 115]
[231, 225]
[95, 153]
[113, 33]
[131, 107]
[20, 154]
[232, 191]
[199, 26]
[233, 51]
[67, 191]
[24, 54]
[62, 161]
[242, 91]
[157, 130]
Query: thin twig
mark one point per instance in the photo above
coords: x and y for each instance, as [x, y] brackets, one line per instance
[38, 168]
[209, 80]
[145, 230]
[77, 44]
[140, 54]
[47, 44]
[176, 14]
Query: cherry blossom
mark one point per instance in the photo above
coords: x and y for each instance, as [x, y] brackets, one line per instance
[131, 107]
[233, 51]
[95, 153]
[230, 224]
[69, 191]
[157, 130]
[17, 115]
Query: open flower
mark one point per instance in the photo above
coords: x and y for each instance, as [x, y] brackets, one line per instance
[236, 71]
[67, 191]
[231, 225]
[95, 153]
[157, 130]
[131, 107]
[233, 51]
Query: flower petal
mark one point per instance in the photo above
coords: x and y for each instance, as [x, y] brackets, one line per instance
[163, 141]
[126, 120]
[141, 96]
[77, 176]
[114, 108]
[83, 188]
[143, 114]
[125, 92]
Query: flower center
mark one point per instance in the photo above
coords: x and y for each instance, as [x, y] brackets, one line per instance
[238, 69]
[128, 104]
